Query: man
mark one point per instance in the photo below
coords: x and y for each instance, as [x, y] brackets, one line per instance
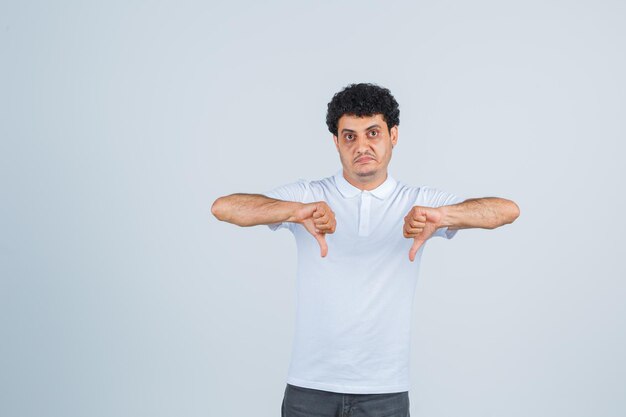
[360, 235]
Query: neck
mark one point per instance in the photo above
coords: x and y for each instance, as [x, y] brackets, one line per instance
[366, 183]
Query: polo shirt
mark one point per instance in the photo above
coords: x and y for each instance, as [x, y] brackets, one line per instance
[354, 306]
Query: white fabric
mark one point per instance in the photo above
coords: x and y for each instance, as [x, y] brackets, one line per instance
[353, 316]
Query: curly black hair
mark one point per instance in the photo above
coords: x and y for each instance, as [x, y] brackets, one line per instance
[363, 99]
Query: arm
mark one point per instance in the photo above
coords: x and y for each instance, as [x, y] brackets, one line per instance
[255, 209]
[484, 213]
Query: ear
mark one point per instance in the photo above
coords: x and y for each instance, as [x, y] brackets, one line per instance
[336, 142]
[394, 135]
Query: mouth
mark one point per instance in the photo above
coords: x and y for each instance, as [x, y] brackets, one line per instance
[364, 160]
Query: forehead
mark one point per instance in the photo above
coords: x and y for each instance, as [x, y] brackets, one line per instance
[352, 122]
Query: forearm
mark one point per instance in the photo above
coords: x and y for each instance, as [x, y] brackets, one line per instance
[485, 213]
[253, 209]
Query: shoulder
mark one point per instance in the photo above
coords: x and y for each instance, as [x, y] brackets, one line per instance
[425, 194]
[303, 189]
[321, 189]
[406, 190]
[323, 183]
[432, 196]
[290, 191]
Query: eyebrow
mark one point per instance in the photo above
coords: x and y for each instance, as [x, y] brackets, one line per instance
[353, 131]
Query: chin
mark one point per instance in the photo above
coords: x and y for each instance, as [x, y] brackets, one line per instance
[366, 173]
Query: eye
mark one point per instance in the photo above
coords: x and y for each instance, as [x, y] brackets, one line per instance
[349, 136]
[374, 132]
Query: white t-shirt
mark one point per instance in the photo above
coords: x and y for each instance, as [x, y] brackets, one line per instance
[353, 316]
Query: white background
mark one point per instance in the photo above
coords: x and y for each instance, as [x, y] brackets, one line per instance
[121, 122]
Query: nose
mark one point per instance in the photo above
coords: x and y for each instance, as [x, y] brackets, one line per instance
[362, 145]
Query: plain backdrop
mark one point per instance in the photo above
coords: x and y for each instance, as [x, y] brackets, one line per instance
[121, 123]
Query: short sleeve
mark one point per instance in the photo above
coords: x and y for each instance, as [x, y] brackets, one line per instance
[295, 191]
[433, 197]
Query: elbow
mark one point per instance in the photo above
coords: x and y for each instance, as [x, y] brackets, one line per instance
[509, 212]
[218, 209]
[514, 212]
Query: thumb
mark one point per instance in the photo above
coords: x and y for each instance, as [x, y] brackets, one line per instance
[321, 239]
[417, 243]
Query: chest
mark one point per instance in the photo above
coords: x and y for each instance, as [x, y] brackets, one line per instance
[366, 217]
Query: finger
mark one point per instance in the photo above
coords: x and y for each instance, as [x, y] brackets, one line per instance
[417, 243]
[329, 225]
[322, 222]
[411, 231]
[321, 219]
[324, 229]
[321, 239]
[325, 218]
[414, 231]
[333, 227]
[415, 223]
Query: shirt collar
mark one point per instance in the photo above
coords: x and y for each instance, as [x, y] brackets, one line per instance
[348, 190]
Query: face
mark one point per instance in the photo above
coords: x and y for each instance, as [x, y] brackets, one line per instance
[364, 145]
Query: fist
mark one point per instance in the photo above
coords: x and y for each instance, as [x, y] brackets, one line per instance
[318, 219]
[419, 224]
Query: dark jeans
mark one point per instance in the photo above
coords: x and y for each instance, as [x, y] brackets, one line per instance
[307, 402]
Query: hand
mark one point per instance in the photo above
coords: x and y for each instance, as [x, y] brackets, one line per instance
[318, 219]
[420, 224]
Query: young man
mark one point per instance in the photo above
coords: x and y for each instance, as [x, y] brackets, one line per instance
[360, 235]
